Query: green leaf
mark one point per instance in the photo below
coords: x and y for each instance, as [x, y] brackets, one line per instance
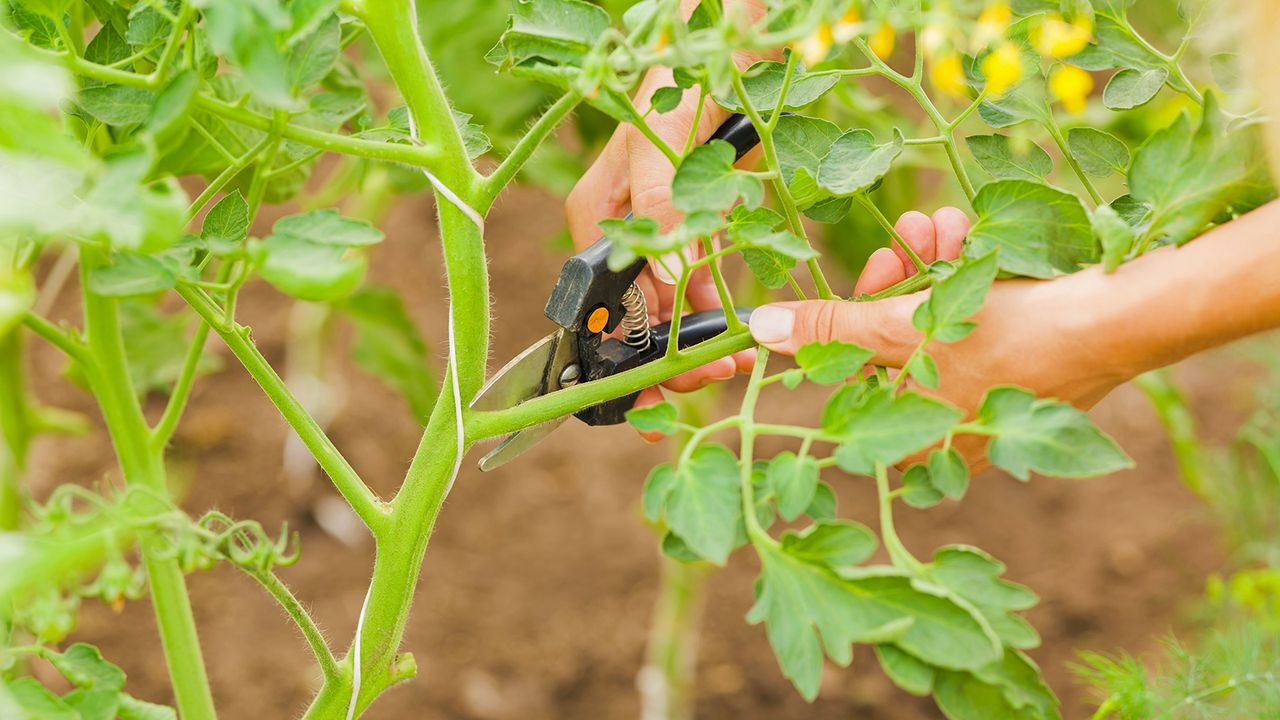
[106, 48]
[1115, 43]
[833, 362]
[886, 428]
[905, 671]
[1189, 176]
[1100, 154]
[1045, 436]
[800, 602]
[666, 99]
[707, 180]
[132, 708]
[246, 33]
[314, 54]
[226, 225]
[802, 142]
[117, 105]
[157, 345]
[388, 346]
[54, 9]
[309, 270]
[856, 164]
[307, 15]
[918, 490]
[834, 543]
[676, 549]
[763, 82]
[770, 268]
[1008, 688]
[34, 701]
[173, 104]
[17, 295]
[147, 26]
[657, 487]
[922, 368]
[999, 157]
[83, 665]
[131, 274]
[660, 418]
[781, 242]
[794, 481]
[550, 32]
[327, 227]
[1132, 88]
[704, 506]
[1040, 231]
[1117, 236]
[949, 473]
[954, 299]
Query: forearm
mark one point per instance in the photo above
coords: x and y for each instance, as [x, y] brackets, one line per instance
[1174, 303]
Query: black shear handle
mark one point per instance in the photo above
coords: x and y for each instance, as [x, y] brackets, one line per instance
[586, 283]
[614, 356]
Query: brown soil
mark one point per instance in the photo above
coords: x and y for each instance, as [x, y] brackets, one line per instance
[540, 579]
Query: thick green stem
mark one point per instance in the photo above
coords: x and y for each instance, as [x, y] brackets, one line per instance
[1174, 414]
[144, 467]
[15, 427]
[897, 551]
[667, 681]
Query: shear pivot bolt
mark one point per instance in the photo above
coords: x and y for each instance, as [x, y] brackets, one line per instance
[570, 375]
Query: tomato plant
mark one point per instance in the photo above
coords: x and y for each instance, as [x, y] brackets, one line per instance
[106, 104]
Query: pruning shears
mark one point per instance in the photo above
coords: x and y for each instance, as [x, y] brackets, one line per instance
[588, 303]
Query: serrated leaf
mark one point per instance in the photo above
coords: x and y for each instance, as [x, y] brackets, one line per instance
[551, 31]
[117, 105]
[33, 700]
[246, 33]
[327, 227]
[1189, 176]
[132, 708]
[922, 368]
[908, 673]
[83, 665]
[834, 543]
[1040, 231]
[311, 58]
[1008, 688]
[763, 82]
[824, 503]
[802, 142]
[781, 242]
[887, 428]
[226, 225]
[1132, 88]
[998, 156]
[1116, 235]
[389, 346]
[855, 163]
[660, 418]
[918, 490]
[657, 486]
[801, 602]
[794, 481]
[309, 270]
[832, 362]
[666, 99]
[770, 268]
[706, 180]
[131, 274]
[173, 104]
[1100, 154]
[704, 506]
[956, 298]
[948, 472]
[1045, 436]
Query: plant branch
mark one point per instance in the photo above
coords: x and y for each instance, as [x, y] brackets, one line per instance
[307, 624]
[526, 146]
[57, 337]
[1056, 133]
[363, 500]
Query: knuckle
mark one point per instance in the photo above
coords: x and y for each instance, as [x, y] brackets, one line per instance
[824, 322]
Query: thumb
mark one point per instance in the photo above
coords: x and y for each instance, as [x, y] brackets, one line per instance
[883, 326]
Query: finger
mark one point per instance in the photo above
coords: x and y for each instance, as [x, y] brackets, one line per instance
[917, 230]
[745, 361]
[698, 378]
[883, 269]
[647, 397]
[951, 227]
[603, 192]
[883, 326]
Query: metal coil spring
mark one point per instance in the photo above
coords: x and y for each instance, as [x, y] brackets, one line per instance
[635, 318]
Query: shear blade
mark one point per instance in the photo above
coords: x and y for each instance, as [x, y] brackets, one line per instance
[532, 373]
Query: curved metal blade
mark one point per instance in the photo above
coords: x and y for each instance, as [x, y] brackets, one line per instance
[533, 373]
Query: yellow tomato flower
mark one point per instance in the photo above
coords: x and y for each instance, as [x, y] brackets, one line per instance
[931, 39]
[993, 21]
[1003, 69]
[846, 28]
[663, 40]
[882, 41]
[1055, 37]
[947, 74]
[814, 48]
[1071, 85]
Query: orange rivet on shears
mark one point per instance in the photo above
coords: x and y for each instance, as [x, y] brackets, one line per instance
[598, 319]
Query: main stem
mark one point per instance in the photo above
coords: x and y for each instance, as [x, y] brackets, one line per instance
[143, 466]
[15, 420]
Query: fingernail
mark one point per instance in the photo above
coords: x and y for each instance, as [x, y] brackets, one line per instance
[670, 260]
[772, 324]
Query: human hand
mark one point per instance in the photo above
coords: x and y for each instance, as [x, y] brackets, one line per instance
[632, 174]
[1046, 336]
